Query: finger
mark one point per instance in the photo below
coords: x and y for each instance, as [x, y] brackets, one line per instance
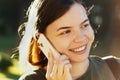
[62, 62]
[54, 73]
[67, 65]
[67, 73]
[49, 65]
[65, 60]
[58, 68]
[64, 57]
[61, 67]
[60, 71]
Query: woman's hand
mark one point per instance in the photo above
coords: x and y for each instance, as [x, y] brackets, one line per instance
[58, 69]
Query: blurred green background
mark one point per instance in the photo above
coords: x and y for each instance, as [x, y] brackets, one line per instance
[105, 19]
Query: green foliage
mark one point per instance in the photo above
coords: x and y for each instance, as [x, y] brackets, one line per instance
[5, 62]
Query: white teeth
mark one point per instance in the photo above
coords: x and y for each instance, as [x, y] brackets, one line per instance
[79, 49]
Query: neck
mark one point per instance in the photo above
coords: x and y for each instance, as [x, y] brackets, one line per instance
[79, 68]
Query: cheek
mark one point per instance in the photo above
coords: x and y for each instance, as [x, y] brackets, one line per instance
[90, 36]
[61, 45]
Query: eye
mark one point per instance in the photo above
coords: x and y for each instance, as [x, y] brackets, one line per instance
[85, 25]
[65, 32]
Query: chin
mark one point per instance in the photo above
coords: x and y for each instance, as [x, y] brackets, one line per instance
[79, 58]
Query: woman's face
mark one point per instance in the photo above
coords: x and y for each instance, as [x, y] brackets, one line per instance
[71, 34]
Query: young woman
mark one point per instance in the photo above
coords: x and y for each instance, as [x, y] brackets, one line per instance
[66, 25]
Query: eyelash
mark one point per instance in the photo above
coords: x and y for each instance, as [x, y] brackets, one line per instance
[65, 32]
[84, 26]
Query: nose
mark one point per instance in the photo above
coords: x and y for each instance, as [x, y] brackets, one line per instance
[79, 36]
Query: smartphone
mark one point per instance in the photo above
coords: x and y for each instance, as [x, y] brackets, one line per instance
[46, 46]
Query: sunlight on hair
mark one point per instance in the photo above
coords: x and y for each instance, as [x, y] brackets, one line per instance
[89, 10]
[95, 45]
[96, 30]
[30, 33]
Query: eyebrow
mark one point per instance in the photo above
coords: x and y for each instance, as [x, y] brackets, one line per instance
[67, 27]
[84, 21]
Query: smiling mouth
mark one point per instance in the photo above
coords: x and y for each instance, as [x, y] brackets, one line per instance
[79, 49]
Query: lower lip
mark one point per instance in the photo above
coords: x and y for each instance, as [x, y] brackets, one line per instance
[81, 52]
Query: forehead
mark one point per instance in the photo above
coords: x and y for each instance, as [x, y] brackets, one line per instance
[74, 16]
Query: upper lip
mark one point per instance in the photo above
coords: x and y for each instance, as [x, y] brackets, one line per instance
[78, 47]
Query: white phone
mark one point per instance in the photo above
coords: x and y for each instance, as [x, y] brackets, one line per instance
[45, 46]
